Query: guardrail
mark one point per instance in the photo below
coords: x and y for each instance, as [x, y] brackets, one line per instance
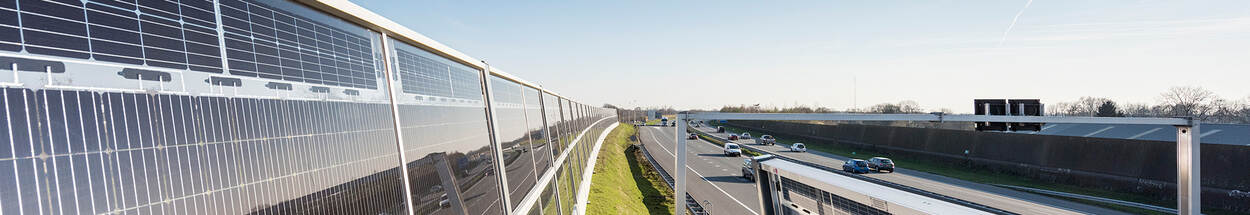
[691, 202]
[868, 179]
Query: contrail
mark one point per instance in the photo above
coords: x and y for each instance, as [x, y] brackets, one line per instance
[1013, 22]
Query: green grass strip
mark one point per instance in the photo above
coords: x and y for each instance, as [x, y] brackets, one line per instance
[624, 182]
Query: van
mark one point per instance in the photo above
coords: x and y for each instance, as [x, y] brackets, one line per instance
[732, 150]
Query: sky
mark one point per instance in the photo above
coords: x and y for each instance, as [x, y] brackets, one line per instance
[847, 54]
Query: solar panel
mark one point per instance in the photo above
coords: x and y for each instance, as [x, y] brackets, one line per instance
[421, 72]
[261, 40]
[55, 28]
[153, 33]
[87, 153]
[10, 35]
[267, 42]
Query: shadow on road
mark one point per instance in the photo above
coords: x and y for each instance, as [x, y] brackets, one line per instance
[712, 155]
[730, 179]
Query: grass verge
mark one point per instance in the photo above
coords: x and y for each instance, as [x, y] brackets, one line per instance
[624, 182]
[962, 172]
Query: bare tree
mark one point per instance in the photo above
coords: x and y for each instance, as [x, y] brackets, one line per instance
[885, 108]
[1085, 106]
[906, 106]
[909, 106]
[1137, 110]
[1224, 111]
[1188, 101]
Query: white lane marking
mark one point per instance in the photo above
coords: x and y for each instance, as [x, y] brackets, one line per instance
[1099, 131]
[722, 191]
[1144, 133]
[1205, 134]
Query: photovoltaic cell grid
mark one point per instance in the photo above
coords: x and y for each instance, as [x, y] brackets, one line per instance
[149, 32]
[70, 152]
[269, 43]
[506, 92]
[260, 41]
[422, 75]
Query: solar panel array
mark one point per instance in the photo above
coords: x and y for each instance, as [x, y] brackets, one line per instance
[79, 152]
[422, 75]
[154, 33]
[269, 43]
[260, 41]
[105, 152]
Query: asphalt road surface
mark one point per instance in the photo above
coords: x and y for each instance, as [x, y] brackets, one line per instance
[711, 176]
[997, 197]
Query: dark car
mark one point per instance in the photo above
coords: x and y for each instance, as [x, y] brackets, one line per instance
[720, 129]
[766, 140]
[748, 166]
[692, 136]
[879, 163]
[855, 166]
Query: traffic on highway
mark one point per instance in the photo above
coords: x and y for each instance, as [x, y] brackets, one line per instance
[722, 177]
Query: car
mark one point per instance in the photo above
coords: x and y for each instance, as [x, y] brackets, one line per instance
[798, 147]
[766, 140]
[733, 137]
[436, 189]
[746, 135]
[748, 166]
[444, 202]
[692, 137]
[732, 150]
[720, 129]
[879, 163]
[855, 166]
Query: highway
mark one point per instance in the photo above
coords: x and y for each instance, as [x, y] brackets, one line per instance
[711, 176]
[997, 197]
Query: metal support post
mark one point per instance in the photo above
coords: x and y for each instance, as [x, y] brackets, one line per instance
[496, 145]
[1188, 170]
[399, 132]
[679, 168]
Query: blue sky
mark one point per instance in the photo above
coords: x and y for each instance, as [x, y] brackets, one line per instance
[941, 54]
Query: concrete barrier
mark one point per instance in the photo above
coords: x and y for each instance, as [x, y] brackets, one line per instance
[1135, 166]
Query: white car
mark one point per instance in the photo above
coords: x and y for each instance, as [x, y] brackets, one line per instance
[745, 135]
[798, 147]
[444, 202]
[732, 150]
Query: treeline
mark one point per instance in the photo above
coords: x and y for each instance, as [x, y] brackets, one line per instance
[757, 109]
[1188, 101]
[1194, 102]
[907, 106]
